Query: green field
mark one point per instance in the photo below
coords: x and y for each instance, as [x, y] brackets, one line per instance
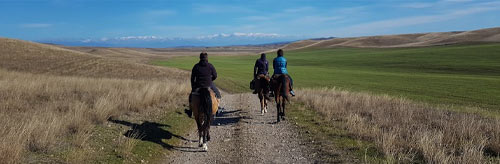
[463, 75]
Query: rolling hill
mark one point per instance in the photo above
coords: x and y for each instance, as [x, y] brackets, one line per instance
[403, 40]
[30, 57]
[56, 103]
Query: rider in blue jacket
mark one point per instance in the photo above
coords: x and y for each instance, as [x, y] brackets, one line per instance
[279, 65]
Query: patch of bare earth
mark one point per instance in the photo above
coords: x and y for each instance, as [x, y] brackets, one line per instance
[240, 134]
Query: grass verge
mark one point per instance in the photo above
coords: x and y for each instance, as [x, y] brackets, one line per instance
[137, 141]
[330, 139]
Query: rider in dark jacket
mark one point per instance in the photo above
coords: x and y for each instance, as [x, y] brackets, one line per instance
[203, 74]
[280, 67]
[261, 67]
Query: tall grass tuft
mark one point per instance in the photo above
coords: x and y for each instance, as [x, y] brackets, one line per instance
[37, 112]
[407, 132]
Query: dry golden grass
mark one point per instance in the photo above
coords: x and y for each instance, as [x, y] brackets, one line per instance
[128, 143]
[300, 44]
[36, 111]
[22, 56]
[407, 132]
[52, 98]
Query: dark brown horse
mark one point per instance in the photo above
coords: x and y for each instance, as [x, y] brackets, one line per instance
[281, 88]
[262, 89]
[204, 106]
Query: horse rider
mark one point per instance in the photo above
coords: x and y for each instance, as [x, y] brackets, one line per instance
[202, 75]
[261, 67]
[279, 66]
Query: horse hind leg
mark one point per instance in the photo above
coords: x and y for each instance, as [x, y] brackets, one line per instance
[278, 111]
[200, 131]
[283, 113]
[205, 147]
[265, 106]
[206, 138]
[262, 106]
[200, 141]
[204, 144]
[207, 131]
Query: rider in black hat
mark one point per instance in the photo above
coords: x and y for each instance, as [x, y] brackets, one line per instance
[261, 67]
[203, 74]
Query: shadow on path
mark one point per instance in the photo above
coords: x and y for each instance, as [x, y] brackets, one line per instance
[225, 118]
[152, 132]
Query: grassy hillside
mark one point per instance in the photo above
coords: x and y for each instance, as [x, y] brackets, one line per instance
[56, 106]
[29, 57]
[465, 75]
[486, 35]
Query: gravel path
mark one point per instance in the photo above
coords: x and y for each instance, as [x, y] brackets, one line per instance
[242, 135]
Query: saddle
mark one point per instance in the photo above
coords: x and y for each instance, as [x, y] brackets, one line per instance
[260, 76]
[275, 76]
[196, 91]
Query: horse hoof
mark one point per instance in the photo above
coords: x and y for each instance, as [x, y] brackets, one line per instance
[205, 147]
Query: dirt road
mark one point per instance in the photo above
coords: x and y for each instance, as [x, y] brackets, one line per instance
[242, 135]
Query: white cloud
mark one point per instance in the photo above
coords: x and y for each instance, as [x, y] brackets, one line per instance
[417, 5]
[160, 12]
[350, 10]
[373, 27]
[256, 18]
[457, 1]
[36, 25]
[299, 10]
[207, 8]
[316, 19]
[87, 40]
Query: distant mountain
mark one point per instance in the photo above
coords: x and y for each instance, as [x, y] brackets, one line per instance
[326, 38]
[165, 42]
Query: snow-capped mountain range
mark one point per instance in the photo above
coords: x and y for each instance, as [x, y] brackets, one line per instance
[221, 39]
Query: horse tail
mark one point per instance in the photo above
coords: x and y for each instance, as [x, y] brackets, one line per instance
[266, 88]
[284, 86]
[206, 103]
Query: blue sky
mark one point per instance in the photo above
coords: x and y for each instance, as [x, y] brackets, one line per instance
[69, 19]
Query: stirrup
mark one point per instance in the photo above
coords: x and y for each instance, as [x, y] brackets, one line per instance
[292, 93]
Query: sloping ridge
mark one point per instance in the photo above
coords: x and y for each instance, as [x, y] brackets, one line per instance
[403, 40]
[30, 57]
